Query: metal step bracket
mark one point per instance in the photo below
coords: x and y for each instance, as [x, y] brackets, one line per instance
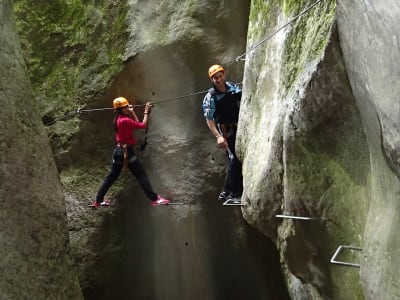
[237, 201]
[342, 263]
[299, 218]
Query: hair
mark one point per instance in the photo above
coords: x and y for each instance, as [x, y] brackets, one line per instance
[117, 112]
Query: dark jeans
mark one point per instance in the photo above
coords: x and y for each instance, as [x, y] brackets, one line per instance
[234, 179]
[136, 169]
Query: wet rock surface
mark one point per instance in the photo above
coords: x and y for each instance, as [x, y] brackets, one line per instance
[195, 250]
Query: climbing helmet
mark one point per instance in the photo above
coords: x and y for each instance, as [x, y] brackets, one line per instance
[214, 69]
[120, 102]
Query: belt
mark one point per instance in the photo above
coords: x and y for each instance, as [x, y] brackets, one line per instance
[125, 147]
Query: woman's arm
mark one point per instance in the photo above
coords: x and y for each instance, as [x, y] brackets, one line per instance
[147, 110]
[133, 115]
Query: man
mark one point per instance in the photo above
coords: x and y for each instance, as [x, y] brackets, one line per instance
[221, 110]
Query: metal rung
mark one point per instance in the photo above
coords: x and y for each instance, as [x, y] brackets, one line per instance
[233, 202]
[334, 261]
[299, 218]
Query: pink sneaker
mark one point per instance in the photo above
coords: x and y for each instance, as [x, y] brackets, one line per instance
[96, 204]
[160, 201]
[105, 203]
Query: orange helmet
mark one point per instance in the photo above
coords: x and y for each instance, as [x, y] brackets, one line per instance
[214, 69]
[120, 102]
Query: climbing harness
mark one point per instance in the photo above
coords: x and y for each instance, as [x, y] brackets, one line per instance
[145, 137]
[146, 132]
[125, 155]
[240, 57]
[222, 131]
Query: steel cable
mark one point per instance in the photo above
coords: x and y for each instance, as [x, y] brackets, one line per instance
[239, 58]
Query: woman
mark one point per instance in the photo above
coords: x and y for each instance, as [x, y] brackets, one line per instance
[125, 121]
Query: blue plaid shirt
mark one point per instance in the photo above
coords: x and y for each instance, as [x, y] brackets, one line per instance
[211, 98]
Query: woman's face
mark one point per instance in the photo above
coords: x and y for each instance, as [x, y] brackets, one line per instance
[125, 110]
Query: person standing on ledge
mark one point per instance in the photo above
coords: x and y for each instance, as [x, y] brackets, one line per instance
[124, 156]
[221, 111]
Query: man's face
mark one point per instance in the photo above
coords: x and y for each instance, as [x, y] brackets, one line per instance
[219, 79]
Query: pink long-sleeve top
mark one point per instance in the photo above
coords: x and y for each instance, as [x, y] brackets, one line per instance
[126, 126]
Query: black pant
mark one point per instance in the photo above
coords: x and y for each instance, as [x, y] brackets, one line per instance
[134, 166]
[234, 179]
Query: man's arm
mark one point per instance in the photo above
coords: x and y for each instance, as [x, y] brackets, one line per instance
[220, 139]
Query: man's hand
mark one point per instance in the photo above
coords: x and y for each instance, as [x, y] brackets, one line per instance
[222, 142]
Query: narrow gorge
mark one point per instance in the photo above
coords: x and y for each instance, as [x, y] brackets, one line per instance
[318, 136]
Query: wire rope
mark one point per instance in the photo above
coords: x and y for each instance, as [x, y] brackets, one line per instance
[239, 58]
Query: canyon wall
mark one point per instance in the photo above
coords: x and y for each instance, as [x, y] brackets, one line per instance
[318, 136]
[34, 246]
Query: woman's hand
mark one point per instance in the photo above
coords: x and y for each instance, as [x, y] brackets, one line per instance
[147, 107]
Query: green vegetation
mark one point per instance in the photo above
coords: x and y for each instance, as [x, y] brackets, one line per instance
[260, 18]
[324, 175]
[72, 49]
[329, 188]
[307, 35]
[85, 182]
[307, 38]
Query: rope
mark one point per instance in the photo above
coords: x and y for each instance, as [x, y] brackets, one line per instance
[175, 98]
[240, 57]
[93, 109]
[67, 116]
[79, 111]
[155, 102]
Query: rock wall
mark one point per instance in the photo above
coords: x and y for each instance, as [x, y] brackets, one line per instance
[165, 49]
[72, 50]
[374, 75]
[318, 137]
[34, 246]
[318, 134]
[169, 58]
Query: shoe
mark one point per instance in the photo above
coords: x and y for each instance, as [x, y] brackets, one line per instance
[223, 195]
[96, 204]
[234, 197]
[105, 203]
[160, 201]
